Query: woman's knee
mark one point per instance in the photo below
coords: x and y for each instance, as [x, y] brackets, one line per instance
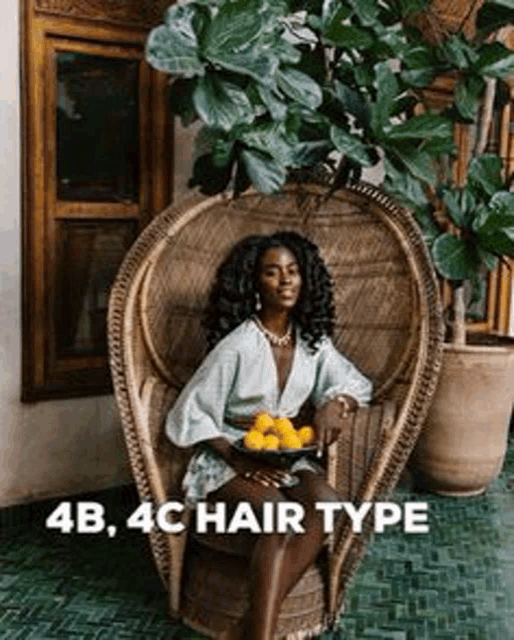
[314, 488]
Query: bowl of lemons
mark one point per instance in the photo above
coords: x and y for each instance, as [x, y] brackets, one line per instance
[276, 439]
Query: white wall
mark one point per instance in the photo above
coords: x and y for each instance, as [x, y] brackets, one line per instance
[48, 448]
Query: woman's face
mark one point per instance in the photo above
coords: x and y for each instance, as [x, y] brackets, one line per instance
[280, 280]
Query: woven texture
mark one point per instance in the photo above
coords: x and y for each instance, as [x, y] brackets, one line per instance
[374, 298]
[388, 323]
[443, 18]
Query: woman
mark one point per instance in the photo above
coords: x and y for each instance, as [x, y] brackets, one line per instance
[269, 319]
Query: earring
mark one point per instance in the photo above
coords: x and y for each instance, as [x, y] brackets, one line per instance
[258, 305]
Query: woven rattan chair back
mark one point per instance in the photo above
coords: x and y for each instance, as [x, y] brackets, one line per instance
[388, 323]
[376, 306]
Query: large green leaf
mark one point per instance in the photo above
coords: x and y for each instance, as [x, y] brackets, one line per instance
[500, 242]
[173, 51]
[467, 96]
[366, 10]
[260, 66]
[221, 104]
[417, 55]
[264, 172]
[233, 41]
[300, 87]
[418, 77]
[271, 138]
[309, 154]
[453, 258]
[458, 52]
[332, 15]
[453, 206]
[419, 163]
[484, 174]
[499, 215]
[387, 92]
[234, 27]
[406, 7]
[353, 102]
[389, 40]
[350, 146]
[426, 126]
[405, 187]
[222, 152]
[503, 200]
[287, 52]
[348, 36]
[496, 60]
[440, 147]
[275, 106]
[493, 15]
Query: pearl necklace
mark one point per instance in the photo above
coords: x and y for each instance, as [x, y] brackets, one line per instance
[278, 341]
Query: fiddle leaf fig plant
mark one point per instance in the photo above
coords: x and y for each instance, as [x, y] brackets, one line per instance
[284, 85]
[483, 213]
[290, 84]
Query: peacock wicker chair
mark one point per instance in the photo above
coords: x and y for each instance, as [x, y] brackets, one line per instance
[388, 322]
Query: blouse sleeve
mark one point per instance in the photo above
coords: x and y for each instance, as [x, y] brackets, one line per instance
[335, 375]
[199, 410]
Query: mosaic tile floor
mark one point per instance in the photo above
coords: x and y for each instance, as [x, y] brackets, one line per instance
[454, 583]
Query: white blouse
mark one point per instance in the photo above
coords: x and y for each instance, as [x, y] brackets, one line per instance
[239, 378]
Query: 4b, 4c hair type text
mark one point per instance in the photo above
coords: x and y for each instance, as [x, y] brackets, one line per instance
[279, 517]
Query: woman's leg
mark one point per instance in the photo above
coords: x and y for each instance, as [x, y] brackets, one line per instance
[277, 560]
[302, 549]
[266, 558]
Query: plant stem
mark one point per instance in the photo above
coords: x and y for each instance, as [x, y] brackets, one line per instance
[486, 117]
[459, 321]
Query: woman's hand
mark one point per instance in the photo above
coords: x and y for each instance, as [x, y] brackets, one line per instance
[329, 417]
[247, 467]
[265, 474]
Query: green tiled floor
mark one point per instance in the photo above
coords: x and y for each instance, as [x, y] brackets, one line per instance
[454, 583]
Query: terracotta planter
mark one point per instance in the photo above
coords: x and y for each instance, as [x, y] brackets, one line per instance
[463, 443]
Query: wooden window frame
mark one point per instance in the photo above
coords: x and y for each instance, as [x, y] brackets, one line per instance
[49, 26]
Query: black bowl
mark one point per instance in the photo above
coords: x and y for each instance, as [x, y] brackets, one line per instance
[279, 456]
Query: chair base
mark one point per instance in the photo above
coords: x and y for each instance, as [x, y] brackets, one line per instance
[215, 595]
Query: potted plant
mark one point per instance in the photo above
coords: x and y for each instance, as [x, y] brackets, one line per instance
[290, 85]
[469, 228]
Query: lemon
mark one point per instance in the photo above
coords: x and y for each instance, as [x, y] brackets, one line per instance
[271, 442]
[282, 426]
[254, 440]
[290, 440]
[263, 422]
[306, 435]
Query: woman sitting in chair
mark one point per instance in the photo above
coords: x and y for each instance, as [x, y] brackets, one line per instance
[269, 319]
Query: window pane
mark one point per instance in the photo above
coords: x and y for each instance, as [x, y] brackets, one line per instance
[97, 128]
[88, 257]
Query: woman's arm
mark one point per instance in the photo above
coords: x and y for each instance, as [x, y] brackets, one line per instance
[198, 412]
[340, 388]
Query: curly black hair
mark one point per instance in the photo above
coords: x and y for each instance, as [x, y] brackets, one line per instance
[232, 298]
